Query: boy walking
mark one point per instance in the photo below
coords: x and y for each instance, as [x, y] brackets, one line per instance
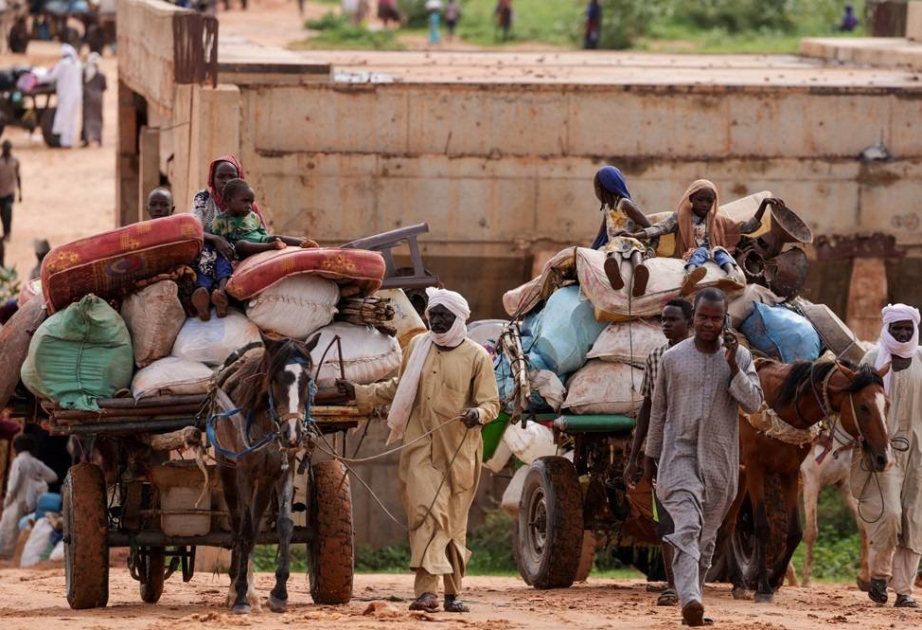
[10, 183]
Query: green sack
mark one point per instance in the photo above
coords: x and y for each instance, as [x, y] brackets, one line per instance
[79, 355]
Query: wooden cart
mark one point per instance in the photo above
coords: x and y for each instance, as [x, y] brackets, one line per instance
[134, 504]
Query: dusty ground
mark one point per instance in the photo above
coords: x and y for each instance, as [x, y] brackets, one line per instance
[34, 599]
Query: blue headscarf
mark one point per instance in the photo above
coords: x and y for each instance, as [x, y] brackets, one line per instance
[613, 181]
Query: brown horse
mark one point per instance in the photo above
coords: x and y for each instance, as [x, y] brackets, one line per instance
[802, 394]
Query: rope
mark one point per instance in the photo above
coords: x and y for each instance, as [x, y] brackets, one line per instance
[371, 458]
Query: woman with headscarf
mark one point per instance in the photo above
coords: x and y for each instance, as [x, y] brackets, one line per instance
[94, 84]
[703, 234]
[896, 494]
[621, 217]
[68, 80]
[447, 387]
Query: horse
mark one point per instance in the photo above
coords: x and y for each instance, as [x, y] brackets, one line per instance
[832, 471]
[802, 394]
[255, 449]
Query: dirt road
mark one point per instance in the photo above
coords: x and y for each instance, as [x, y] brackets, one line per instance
[34, 599]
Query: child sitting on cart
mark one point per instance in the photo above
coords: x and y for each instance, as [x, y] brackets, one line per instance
[244, 230]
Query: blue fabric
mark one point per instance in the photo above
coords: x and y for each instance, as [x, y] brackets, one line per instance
[434, 22]
[782, 334]
[208, 273]
[612, 180]
[48, 502]
[702, 255]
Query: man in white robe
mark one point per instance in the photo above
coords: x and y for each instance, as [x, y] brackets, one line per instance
[67, 77]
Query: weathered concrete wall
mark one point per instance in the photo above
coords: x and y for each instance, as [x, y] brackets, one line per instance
[914, 21]
[145, 43]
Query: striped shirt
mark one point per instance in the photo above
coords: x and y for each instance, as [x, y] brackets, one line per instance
[651, 367]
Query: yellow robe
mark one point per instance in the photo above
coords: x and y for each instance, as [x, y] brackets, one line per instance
[451, 381]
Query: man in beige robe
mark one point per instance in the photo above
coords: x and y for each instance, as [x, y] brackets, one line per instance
[446, 385]
[895, 510]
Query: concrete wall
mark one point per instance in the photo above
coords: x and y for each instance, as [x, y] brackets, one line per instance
[914, 21]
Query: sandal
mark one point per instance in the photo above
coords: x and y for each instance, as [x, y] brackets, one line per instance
[427, 602]
[612, 267]
[641, 278]
[905, 601]
[692, 278]
[878, 591]
[453, 604]
[669, 597]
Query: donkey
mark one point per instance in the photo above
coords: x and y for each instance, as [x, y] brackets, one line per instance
[255, 448]
[802, 394]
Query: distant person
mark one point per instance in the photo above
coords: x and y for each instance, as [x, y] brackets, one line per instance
[504, 18]
[67, 78]
[29, 479]
[388, 12]
[10, 184]
[593, 25]
[434, 7]
[849, 20]
[94, 84]
[452, 15]
[42, 247]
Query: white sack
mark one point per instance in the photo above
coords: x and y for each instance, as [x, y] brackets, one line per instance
[154, 316]
[605, 388]
[743, 306]
[213, 341]
[406, 320]
[368, 355]
[296, 307]
[171, 376]
[38, 545]
[530, 443]
[628, 342]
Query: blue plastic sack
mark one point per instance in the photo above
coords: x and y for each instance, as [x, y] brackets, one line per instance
[565, 330]
[782, 334]
[48, 502]
[506, 384]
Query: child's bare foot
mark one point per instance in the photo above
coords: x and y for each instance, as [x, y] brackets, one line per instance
[280, 244]
[219, 299]
[309, 244]
[202, 303]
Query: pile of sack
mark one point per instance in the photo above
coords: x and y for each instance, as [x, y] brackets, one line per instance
[95, 347]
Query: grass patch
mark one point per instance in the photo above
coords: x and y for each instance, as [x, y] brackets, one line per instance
[334, 32]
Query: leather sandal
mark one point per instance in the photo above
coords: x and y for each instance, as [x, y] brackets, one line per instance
[691, 280]
[427, 602]
[877, 591]
[453, 604]
[668, 598]
[905, 601]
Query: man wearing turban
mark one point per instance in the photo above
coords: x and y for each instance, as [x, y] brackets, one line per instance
[446, 385]
[896, 535]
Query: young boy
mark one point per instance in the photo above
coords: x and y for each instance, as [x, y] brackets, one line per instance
[160, 203]
[29, 479]
[703, 234]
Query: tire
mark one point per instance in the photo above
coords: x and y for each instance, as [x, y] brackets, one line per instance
[586, 557]
[152, 570]
[741, 546]
[550, 526]
[86, 528]
[52, 139]
[516, 556]
[332, 548]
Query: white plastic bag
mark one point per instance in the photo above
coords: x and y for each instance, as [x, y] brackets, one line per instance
[38, 545]
[501, 457]
[406, 320]
[605, 388]
[368, 355]
[171, 376]
[296, 307]
[57, 554]
[154, 316]
[213, 341]
[743, 306]
[513, 493]
[628, 342]
[530, 443]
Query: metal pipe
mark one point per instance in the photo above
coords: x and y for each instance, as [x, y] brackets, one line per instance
[140, 425]
[153, 538]
[593, 424]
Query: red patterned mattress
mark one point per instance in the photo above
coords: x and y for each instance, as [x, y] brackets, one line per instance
[346, 266]
[109, 263]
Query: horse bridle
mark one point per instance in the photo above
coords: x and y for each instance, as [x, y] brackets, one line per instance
[305, 418]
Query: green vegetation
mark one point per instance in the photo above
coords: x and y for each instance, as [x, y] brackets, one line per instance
[702, 26]
[335, 32]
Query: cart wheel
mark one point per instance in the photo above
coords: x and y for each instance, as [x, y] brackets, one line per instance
[586, 557]
[152, 572]
[550, 527]
[332, 547]
[50, 137]
[516, 547]
[86, 527]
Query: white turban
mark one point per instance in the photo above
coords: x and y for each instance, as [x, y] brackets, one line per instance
[402, 405]
[68, 51]
[890, 347]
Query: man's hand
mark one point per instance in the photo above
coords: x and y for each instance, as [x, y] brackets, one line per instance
[346, 388]
[631, 474]
[223, 247]
[649, 470]
[732, 344]
[471, 418]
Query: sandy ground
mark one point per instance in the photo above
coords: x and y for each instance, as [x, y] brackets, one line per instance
[34, 598]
